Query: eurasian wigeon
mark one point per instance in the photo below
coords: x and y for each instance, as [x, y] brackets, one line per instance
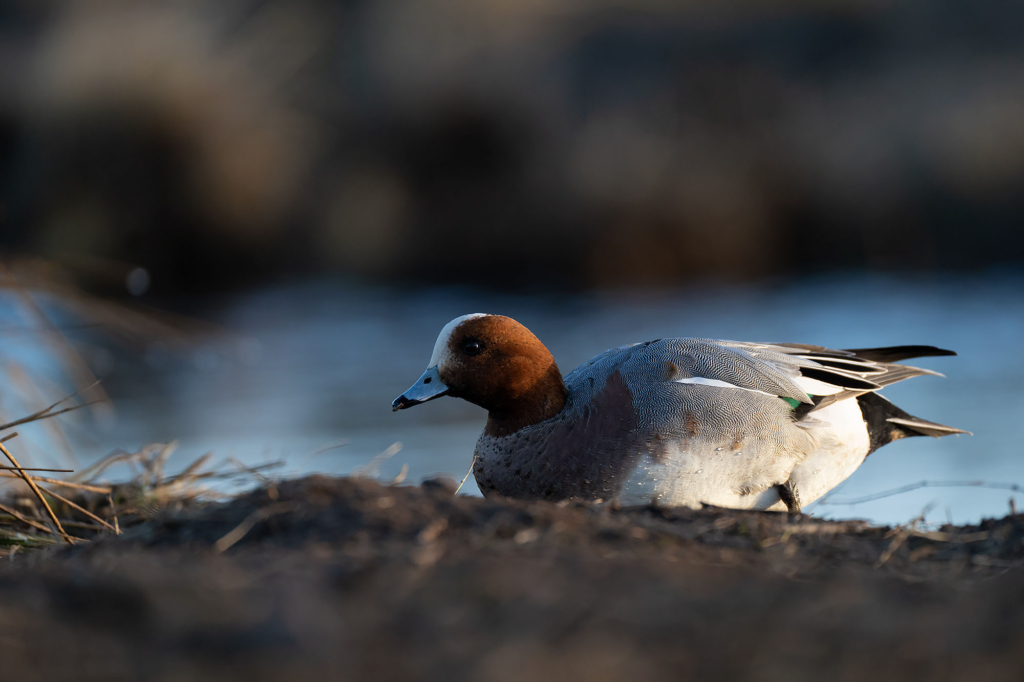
[673, 421]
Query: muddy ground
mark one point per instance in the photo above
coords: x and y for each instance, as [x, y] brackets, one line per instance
[324, 579]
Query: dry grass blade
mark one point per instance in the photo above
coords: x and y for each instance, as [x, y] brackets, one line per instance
[897, 542]
[37, 416]
[154, 466]
[191, 471]
[38, 493]
[32, 394]
[466, 477]
[99, 467]
[242, 529]
[962, 538]
[234, 474]
[85, 526]
[24, 519]
[74, 363]
[102, 489]
[832, 501]
[59, 471]
[271, 488]
[80, 509]
[370, 470]
[899, 536]
[327, 448]
[131, 323]
[113, 512]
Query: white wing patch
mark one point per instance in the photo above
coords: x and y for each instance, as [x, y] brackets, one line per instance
[816, 387]
[701, 381]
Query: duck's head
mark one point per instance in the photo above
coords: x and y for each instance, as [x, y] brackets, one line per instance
[496, 363]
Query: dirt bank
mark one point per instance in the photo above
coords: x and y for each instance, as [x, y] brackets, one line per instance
[325, 578]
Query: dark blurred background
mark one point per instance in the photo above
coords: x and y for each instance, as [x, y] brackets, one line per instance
[320, 186]
[224, 143]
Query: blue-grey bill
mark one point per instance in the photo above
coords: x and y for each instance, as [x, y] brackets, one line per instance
[427, 387]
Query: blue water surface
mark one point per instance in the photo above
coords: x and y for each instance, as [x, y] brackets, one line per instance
[306, 373]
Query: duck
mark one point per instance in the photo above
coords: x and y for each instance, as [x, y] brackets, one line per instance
[687, 422]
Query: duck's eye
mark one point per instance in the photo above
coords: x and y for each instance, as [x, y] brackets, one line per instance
[472, 347]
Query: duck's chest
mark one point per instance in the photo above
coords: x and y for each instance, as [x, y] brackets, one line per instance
[550, 463]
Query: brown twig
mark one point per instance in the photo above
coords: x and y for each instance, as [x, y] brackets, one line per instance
[38, 493]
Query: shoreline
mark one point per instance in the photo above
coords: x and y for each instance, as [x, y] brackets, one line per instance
[304, 578]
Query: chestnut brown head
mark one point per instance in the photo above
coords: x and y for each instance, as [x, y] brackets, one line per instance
[496, 363]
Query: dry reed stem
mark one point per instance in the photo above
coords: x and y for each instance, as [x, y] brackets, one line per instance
[38, 493]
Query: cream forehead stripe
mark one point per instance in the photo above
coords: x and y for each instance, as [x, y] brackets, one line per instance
[441, 347]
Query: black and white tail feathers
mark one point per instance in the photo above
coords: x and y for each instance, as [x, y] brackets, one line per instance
[885, 421]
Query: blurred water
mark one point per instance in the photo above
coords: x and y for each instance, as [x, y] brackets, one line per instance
[317, 364]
